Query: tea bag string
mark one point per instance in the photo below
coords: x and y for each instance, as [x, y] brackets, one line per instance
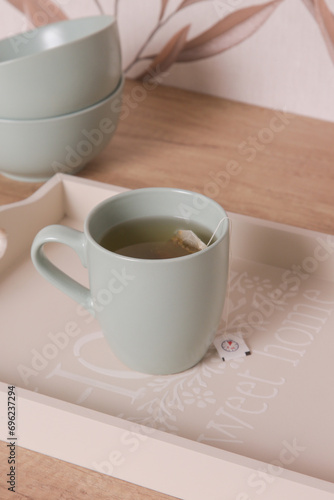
[229, 265]
[213, 235]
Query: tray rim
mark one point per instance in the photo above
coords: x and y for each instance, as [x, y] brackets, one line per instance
[61, 178]
[199, 452]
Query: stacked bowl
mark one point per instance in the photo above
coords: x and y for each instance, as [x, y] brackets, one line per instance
[60, 96]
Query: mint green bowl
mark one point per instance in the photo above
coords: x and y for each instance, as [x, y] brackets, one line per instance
[59, 68]
[34, 150]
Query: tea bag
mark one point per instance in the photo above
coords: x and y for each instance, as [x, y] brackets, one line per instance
[188, 241]
[183, 242]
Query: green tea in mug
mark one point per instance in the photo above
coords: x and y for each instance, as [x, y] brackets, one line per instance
[155, 238]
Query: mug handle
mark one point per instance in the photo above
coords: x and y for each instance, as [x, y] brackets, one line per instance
[77, 241]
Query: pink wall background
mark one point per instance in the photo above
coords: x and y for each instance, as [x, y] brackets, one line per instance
[278, 54]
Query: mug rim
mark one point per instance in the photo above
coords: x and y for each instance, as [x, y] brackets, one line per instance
[130, 192]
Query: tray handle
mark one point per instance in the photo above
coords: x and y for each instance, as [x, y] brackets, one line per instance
[77, 241]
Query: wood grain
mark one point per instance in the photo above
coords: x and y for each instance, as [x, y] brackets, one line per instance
[171, 137]
[252, 160]
[44, 478]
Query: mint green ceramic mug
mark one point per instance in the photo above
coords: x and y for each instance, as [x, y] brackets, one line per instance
[158, 316]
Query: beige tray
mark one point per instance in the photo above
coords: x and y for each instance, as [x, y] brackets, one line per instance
[256, 427]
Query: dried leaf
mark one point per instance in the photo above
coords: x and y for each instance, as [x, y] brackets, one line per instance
[168, 54]
[99, 6]
[163, 8]
[325, 19]
[185, 3]
[116, 8]
[228, 32]
[310, 5]
[39, 12]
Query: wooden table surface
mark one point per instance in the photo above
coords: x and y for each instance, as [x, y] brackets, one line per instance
[253, 161]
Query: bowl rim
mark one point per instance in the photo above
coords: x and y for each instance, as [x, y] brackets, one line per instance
[110, 20]
[102, 102]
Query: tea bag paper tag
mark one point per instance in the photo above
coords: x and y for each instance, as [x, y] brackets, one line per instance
[231, 347]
